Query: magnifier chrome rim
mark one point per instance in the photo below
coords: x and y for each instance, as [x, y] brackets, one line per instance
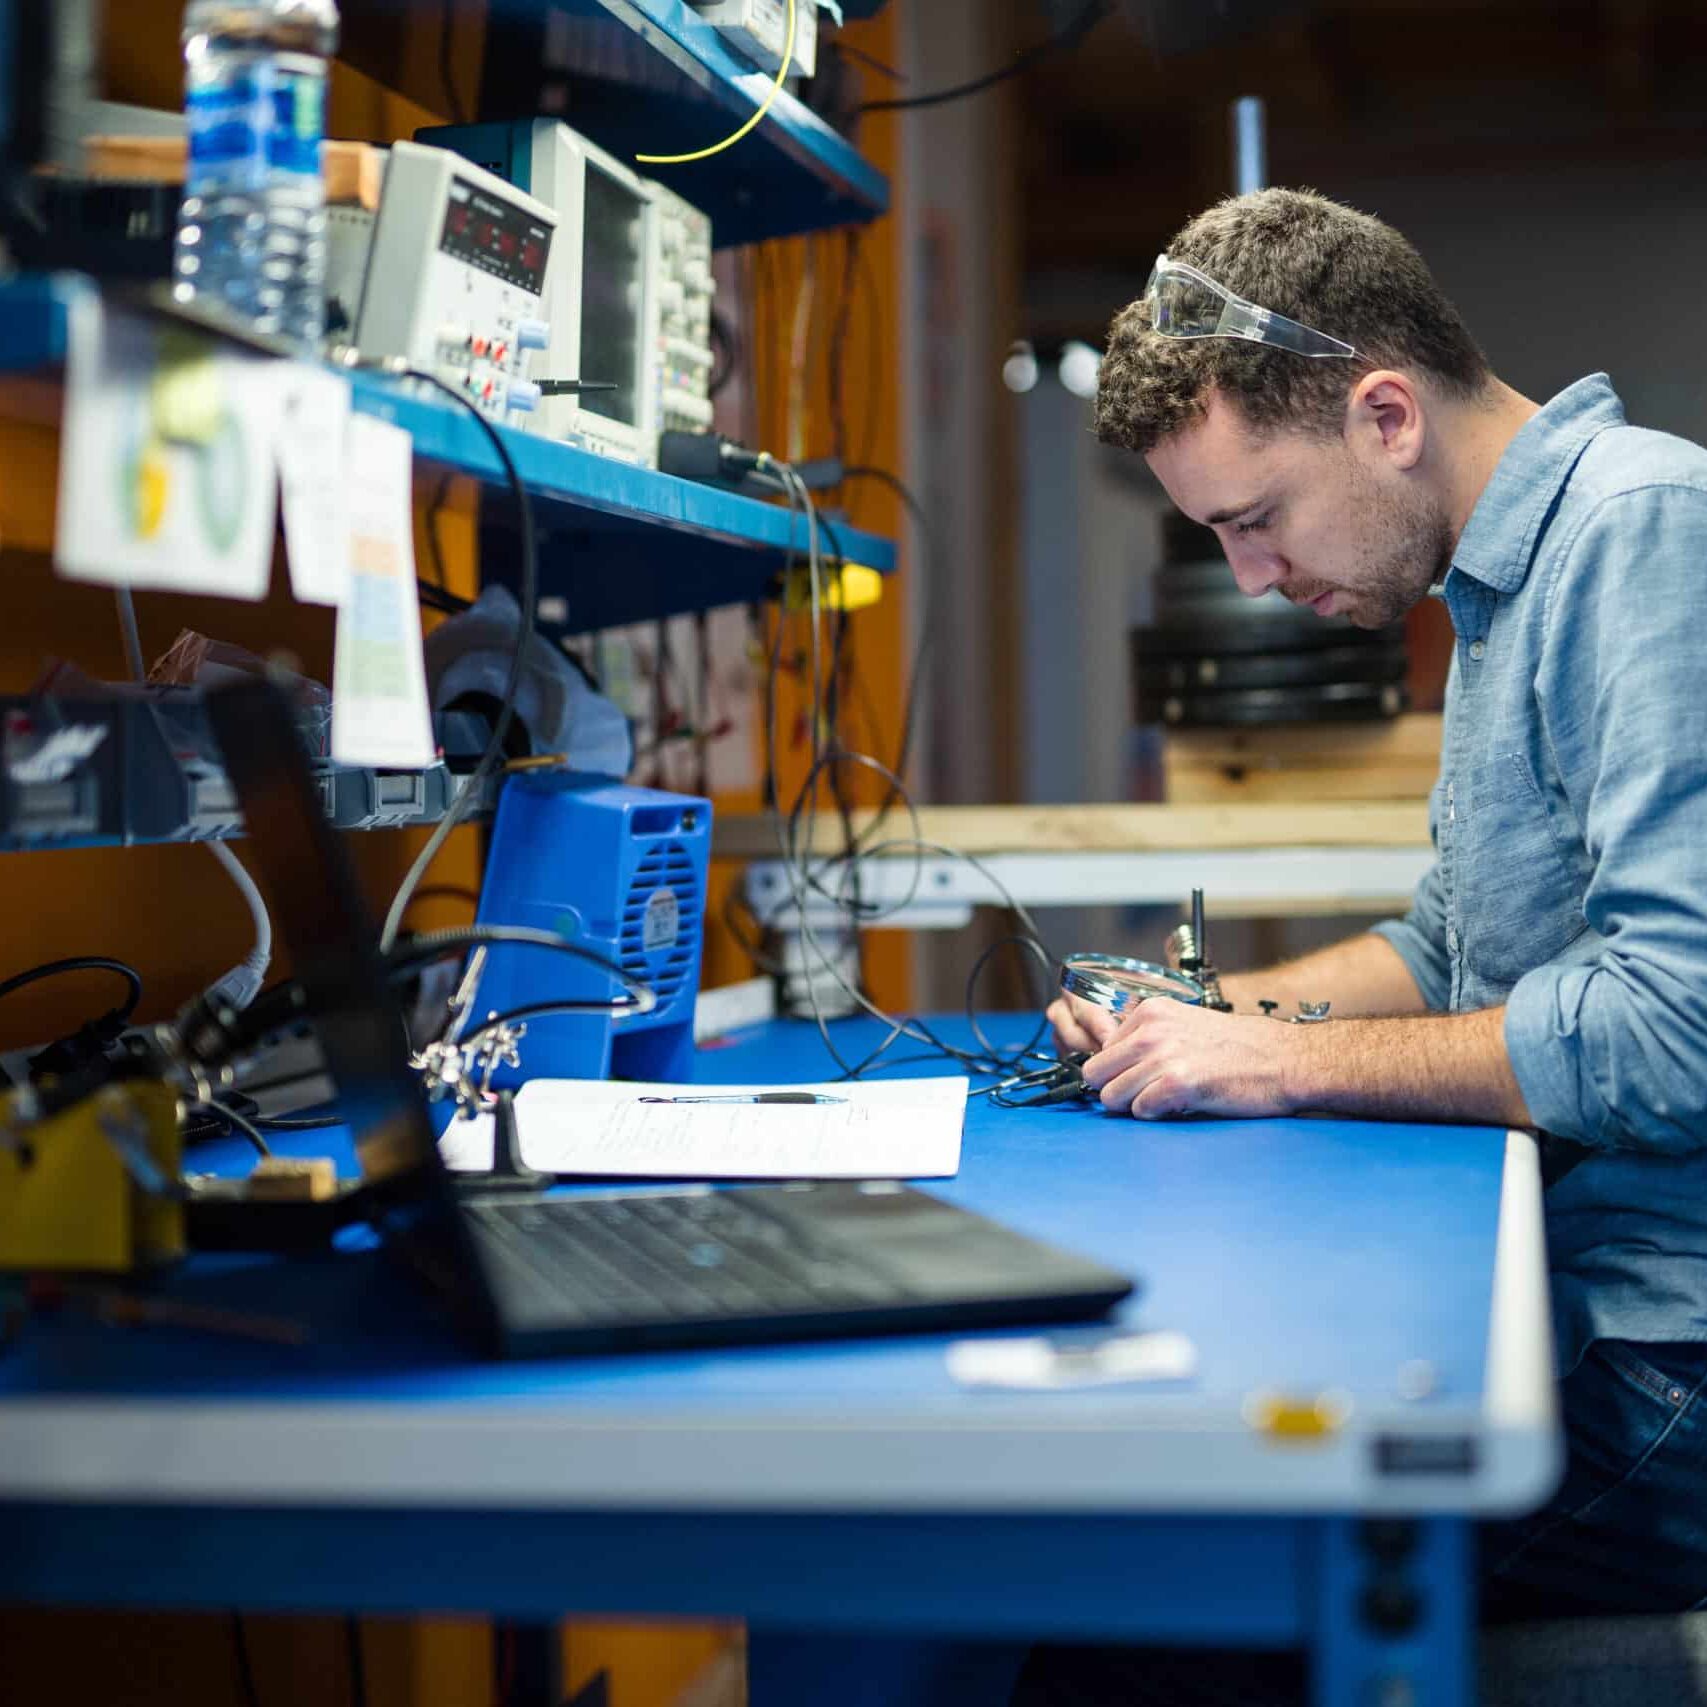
[1096, 978]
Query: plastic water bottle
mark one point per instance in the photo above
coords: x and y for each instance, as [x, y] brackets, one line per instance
[252, 228]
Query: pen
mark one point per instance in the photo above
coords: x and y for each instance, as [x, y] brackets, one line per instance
[796, 1097]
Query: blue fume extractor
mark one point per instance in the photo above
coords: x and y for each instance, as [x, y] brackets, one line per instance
[621, 871]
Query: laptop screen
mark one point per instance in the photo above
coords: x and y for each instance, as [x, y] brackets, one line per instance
[320, 915]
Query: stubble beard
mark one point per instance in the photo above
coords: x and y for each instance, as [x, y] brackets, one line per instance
[1405, 549]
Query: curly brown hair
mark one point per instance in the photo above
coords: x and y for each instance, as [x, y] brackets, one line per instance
[1317, 261]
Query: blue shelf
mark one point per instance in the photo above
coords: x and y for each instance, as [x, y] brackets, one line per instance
[617, 544]
[651, 76]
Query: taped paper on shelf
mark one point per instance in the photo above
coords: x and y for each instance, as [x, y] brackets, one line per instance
[314, 419]
[167, 458]
[379, 674]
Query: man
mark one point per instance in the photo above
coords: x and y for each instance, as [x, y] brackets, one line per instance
[1296, 380]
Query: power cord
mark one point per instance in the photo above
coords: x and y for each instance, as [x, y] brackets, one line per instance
[91, 1040]
[796, 837]
[1063, 39]
[234, 1121]
[246, 1689]
[243, 982]
[447, 64]
[429, 946]
[769, 101]
[358, 1668]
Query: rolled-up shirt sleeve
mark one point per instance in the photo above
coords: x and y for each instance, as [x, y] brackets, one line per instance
[1611, 1048]
[1420, 939]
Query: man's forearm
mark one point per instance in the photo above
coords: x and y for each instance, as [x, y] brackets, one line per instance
[1439, 1067]
[1364, 976]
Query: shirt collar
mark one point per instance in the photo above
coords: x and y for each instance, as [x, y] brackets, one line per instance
[1498, 542]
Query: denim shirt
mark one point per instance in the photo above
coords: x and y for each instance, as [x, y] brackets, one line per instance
[1570, 832]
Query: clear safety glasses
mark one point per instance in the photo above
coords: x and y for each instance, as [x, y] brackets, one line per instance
[1185, 303]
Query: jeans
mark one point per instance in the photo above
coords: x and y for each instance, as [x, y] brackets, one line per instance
[1625, 1533]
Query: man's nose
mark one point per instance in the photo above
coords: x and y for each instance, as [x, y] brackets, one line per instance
[1257, 571]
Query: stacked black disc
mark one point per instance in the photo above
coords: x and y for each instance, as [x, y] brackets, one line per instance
[1212, 656]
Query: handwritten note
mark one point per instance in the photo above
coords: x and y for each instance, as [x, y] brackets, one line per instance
[895, 1129]
[380, 714]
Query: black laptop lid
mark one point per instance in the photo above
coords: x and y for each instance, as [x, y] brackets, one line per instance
[320, 914]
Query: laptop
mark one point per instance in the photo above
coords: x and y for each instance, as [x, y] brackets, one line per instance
[614, 1269]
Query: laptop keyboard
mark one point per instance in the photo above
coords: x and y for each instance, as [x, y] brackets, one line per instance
[670, 1257]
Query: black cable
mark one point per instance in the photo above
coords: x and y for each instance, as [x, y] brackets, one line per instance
[81, 963]
[702, 701]
[877, 368]
[423, 949]
[493, 757]
[453, 95]
[661, 661]
[927, 626]
[726, 343]
[839, 325]
[246, 1689]
[1067, 37]
[238, 1122]
[436, 598]
[798, 863]
[435, 546]
[132, 635]
[358, 1671]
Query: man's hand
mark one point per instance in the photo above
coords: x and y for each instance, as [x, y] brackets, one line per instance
[1080, 1027]
[1169, 1057]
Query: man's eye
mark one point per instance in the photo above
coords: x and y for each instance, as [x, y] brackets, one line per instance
[1256, 524]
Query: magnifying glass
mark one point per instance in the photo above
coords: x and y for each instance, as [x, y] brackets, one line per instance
[1116, 983]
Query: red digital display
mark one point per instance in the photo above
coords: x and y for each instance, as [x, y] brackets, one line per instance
[495, 236]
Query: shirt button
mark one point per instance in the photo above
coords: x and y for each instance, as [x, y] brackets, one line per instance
[1477, 648]
[1452, 939]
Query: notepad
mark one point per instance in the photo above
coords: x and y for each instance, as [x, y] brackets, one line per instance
[895, 1129]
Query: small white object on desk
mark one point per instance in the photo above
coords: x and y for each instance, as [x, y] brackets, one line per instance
[896, 1129]
[1045, 1365]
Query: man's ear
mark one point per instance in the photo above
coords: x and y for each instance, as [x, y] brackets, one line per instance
[1384, 414]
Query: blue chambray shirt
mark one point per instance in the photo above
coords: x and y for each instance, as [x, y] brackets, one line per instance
[1570, 829]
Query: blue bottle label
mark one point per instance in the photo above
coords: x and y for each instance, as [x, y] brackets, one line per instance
[257, 115]
[226, 121]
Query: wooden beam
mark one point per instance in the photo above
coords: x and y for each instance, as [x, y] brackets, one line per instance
[1109, 829]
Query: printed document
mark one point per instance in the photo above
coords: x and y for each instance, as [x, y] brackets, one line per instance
[891, 1129]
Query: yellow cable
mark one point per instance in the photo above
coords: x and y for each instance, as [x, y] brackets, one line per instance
[730, 141]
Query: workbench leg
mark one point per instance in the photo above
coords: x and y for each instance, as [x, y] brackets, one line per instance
[789, 1670]
[1395, 1613]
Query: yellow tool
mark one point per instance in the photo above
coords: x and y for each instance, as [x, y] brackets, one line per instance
[92, 1188]
[852, 587]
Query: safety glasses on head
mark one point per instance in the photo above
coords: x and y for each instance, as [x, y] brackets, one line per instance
[1185, 303]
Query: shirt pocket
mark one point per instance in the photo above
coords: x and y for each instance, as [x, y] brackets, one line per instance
[1518, 903]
